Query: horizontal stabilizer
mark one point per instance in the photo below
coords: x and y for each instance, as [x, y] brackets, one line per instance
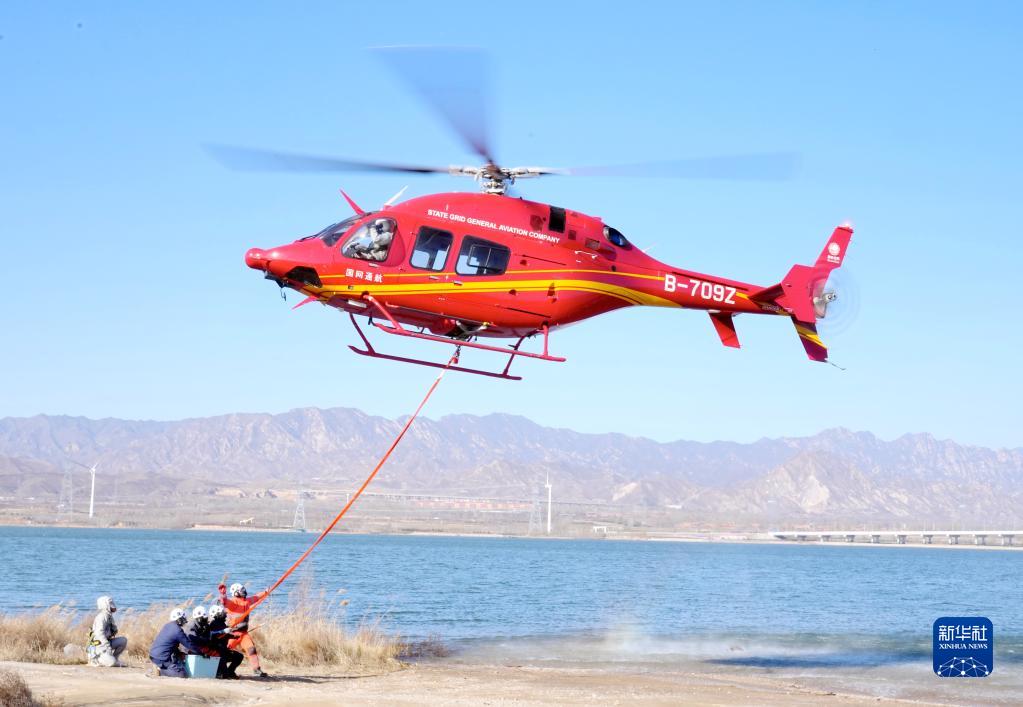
[768, 294]
[724, 325]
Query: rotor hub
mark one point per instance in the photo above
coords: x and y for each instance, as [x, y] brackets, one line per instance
[821, 302]
[495, 179]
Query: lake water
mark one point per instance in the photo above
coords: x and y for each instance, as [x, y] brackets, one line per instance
[519, 599]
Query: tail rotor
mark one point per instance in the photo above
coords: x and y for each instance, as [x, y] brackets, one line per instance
[836, 302]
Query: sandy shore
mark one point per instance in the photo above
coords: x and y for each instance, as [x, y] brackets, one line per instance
[444, 684]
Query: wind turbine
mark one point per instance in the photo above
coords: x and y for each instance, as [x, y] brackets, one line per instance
[92, 492]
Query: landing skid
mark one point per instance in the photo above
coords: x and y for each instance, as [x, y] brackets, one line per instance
[397, 329]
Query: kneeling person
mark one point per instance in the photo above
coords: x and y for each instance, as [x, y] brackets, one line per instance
[166, 652]
[198, 632]
[220, 634]
[105, 646]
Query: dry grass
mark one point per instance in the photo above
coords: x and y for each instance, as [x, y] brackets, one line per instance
[311, 631]
[41, 637]
[15, 693]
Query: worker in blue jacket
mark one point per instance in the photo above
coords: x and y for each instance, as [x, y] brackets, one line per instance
[166, 651]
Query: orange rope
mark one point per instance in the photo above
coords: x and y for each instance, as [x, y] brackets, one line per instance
[355, 496]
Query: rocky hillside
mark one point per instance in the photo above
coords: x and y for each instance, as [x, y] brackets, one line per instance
[837, 475]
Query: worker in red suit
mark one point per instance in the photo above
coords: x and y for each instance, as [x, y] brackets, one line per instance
[239, 604]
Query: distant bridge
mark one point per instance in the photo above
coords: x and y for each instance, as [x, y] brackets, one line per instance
[899, 537]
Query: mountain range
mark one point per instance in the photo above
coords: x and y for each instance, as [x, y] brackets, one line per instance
[836, 476]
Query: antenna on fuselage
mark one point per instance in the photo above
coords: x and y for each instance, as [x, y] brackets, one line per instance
[390, 202]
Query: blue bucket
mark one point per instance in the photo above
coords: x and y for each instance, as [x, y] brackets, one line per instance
[199, 666]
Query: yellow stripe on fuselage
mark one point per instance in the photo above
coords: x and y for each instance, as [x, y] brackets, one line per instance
[627, 294]
[427, 273]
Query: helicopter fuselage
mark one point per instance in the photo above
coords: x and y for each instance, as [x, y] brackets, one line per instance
[475, 264]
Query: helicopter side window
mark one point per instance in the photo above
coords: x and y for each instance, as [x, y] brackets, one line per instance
[557, 220]
[480, 257]
[431, 249]
[332, 233]
[370, 241]
[615, 236]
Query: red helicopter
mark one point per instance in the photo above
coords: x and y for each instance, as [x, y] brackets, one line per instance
[463, 268]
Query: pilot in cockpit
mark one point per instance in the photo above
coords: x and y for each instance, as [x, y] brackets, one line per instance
[381, 234]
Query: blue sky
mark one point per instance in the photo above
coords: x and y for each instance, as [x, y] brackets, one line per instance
[129, 297]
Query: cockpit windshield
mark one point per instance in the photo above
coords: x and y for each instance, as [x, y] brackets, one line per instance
[370, 241]
[613, 235]
[332, 233]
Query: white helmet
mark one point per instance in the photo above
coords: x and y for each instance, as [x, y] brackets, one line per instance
[381, 234]
[106, 603]
[238, 590]
[199, 612]
[177, 615]
[215, 611]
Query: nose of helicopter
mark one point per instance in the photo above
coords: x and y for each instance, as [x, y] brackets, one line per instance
[274, 262]
[280, 261]
[255, 258]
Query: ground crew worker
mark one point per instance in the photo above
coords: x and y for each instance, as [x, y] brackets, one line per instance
[238, 605]
[220, 634]
[105, 646]
[198, 631]
[166, 649]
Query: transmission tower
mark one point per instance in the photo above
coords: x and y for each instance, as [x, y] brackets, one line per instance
[66, 502]
[299, 522]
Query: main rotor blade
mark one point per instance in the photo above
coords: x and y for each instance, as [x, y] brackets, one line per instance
[252, 160]
[771, 166]
[454, 82]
